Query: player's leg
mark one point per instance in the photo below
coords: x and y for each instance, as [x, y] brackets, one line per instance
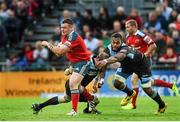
[162, 83]
[80, 69]
[92, 99]
[52, 101]
[134, 81]
[75, 80]
[146, 85]
[119, 83]
[87, 110]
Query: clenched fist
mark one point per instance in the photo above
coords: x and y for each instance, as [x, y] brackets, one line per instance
[44, 43]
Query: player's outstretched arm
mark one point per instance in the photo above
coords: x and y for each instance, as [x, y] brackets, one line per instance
[118, 57]
[57, 50]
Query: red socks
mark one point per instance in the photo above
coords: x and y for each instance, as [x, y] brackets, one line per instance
[162, 83]
[87, 95]
[135, 97]
[75, 100]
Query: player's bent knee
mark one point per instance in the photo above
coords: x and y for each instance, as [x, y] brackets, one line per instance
[75, 80]
[118, 84]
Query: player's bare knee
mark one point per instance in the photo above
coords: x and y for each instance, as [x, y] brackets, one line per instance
[118, 84]
[73, 85]
[75, 80]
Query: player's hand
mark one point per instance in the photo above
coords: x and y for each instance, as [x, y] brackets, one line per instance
[68, 71]
[101, 82]
[44, 43]
[101, 64]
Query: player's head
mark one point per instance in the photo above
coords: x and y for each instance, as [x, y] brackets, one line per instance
[116, 41]
[131, 26]
[102, 56]
[67, 27]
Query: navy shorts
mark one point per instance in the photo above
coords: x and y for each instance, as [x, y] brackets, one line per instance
[81, 67]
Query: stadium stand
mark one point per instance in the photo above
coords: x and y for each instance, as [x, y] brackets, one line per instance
[38, 20]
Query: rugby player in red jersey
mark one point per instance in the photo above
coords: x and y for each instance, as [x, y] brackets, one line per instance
[146, 45]
[74, 47]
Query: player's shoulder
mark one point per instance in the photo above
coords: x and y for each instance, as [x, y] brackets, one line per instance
[124, 47]
[72, 36]
[140, 33]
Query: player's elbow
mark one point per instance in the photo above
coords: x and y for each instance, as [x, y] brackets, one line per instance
[155, 46]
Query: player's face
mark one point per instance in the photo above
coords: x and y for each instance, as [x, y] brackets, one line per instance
[65, 29]
[129, 28]
[115, 44]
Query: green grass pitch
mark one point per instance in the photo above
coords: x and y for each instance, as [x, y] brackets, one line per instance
[19, 109]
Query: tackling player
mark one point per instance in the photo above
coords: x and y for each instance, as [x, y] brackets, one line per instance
[73, 46]
[132, 61]
[146, 45]
[67, 98]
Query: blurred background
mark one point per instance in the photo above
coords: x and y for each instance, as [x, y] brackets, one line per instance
[24, 23]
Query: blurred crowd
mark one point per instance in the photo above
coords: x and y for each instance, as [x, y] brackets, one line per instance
[15, 17]
[161, 24]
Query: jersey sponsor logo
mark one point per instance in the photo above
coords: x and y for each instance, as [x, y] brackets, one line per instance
[137, 41]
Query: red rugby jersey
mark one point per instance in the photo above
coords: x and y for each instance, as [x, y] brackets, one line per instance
[78, 51]
[139, 41]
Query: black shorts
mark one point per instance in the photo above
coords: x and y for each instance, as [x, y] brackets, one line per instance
[143, 68]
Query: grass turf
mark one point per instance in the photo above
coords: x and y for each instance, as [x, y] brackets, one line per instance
[19, 109]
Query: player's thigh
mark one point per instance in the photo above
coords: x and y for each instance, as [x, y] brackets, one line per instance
[134, 79]
[75, 80]
[81, 68]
